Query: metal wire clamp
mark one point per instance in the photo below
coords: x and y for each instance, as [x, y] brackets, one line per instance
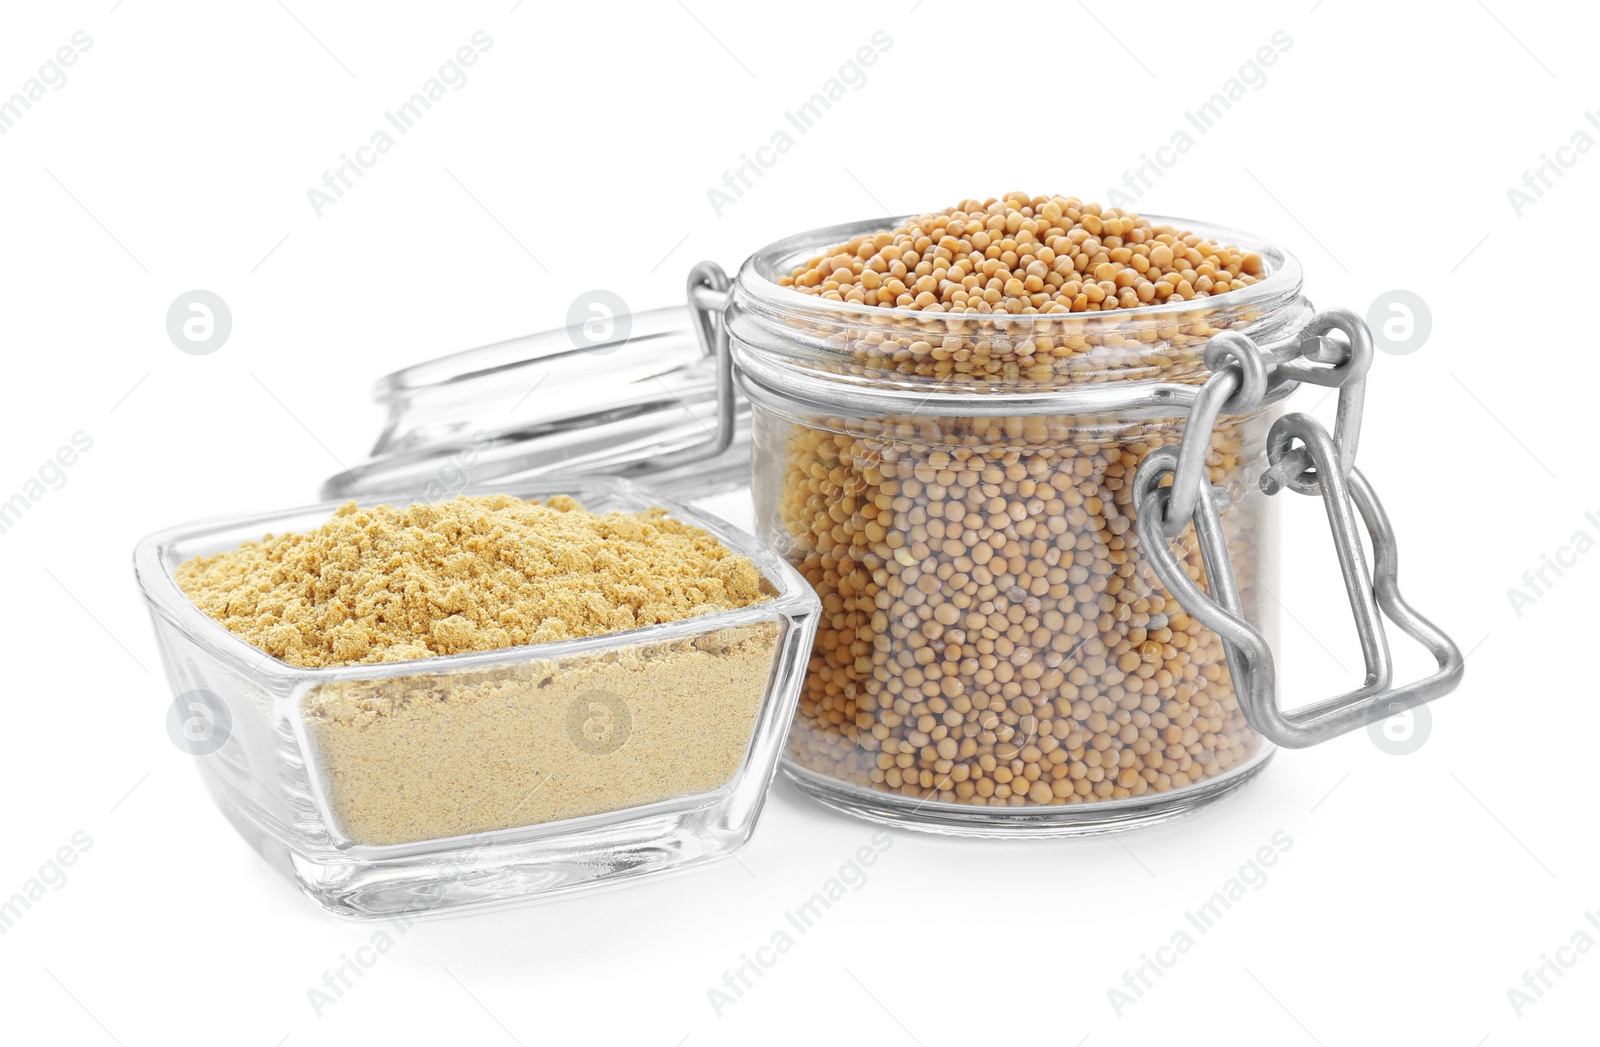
[707, 292]
[1303, 457]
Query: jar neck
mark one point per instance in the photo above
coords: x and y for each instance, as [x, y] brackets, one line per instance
[808, 360]
[816, 350]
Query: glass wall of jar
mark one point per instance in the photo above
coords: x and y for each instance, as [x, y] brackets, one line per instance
[996, 656]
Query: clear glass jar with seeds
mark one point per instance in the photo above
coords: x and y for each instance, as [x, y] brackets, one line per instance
[1003, 649]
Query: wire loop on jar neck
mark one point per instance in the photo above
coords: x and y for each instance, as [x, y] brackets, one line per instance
[1304, 457]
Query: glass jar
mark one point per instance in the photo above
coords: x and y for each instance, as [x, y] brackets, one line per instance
[996, 653]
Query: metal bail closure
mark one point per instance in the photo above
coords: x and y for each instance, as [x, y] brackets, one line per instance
[707, 291]
[1305, 458]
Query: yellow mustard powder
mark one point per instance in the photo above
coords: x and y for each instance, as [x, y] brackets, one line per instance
[431, 754]
[473, 574]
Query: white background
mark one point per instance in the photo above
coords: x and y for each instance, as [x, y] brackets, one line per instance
[1380, 149]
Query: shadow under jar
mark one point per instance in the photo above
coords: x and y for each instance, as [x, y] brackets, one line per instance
[996, 655]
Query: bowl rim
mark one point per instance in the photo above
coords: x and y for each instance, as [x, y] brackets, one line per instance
[792, 597]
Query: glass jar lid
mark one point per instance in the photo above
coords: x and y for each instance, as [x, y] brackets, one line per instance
[641, 402]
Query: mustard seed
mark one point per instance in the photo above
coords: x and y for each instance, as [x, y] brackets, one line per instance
[1003, 246]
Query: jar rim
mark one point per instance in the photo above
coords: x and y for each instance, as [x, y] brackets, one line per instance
[756, 279]
[808, 349]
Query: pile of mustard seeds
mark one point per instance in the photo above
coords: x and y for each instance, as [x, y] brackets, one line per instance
[481, 573]
[1022, 254]
[995, 635]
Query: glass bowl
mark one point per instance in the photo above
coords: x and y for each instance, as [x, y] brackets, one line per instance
[467, 780]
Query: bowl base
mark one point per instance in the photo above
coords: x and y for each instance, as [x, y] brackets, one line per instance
[503, 873]
[503, 867]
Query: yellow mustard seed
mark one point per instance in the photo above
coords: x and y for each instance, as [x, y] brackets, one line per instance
[1005, 242]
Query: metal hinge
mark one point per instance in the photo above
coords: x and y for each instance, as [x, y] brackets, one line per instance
[1304, 458]
[707, 291]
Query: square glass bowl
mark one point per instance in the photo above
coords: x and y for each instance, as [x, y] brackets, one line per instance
[466, 780]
